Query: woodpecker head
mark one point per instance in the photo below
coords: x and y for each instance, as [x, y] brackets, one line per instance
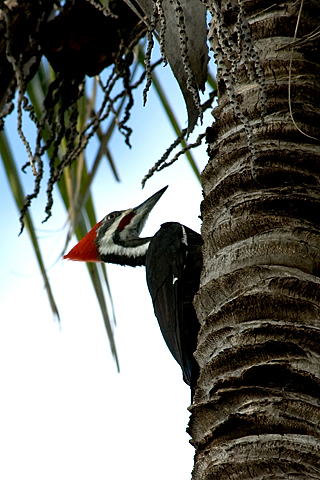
[116, 238]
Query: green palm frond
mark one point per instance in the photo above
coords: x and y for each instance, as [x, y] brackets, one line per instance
[74, 188]
[13, 177]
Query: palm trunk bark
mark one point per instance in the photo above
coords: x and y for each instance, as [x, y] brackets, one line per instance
[256, 409]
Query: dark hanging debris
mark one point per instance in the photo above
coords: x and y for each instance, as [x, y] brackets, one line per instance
[83, 40]
[80, 38]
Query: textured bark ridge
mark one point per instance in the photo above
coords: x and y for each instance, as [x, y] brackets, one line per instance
[256, 411]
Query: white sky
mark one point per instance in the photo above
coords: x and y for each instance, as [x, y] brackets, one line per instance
[64, 410]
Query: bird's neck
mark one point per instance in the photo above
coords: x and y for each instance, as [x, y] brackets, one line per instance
[130, 252]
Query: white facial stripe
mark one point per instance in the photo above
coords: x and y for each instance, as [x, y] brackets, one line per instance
[107, 247]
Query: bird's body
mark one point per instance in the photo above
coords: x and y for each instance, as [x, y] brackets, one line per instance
[173, 262]
[173, 267]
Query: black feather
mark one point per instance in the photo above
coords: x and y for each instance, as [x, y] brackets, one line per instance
[173, 275]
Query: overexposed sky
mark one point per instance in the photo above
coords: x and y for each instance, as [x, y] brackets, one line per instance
[65, 412]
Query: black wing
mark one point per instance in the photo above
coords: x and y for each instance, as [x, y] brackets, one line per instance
[173, 267]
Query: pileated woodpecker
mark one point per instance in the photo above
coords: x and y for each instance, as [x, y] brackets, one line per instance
[173, 261]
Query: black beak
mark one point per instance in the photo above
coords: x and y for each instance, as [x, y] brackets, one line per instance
[146, 207]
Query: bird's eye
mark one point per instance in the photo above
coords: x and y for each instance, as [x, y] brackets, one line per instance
[111, 216]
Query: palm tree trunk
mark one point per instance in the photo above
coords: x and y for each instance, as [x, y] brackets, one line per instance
[256, 411]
